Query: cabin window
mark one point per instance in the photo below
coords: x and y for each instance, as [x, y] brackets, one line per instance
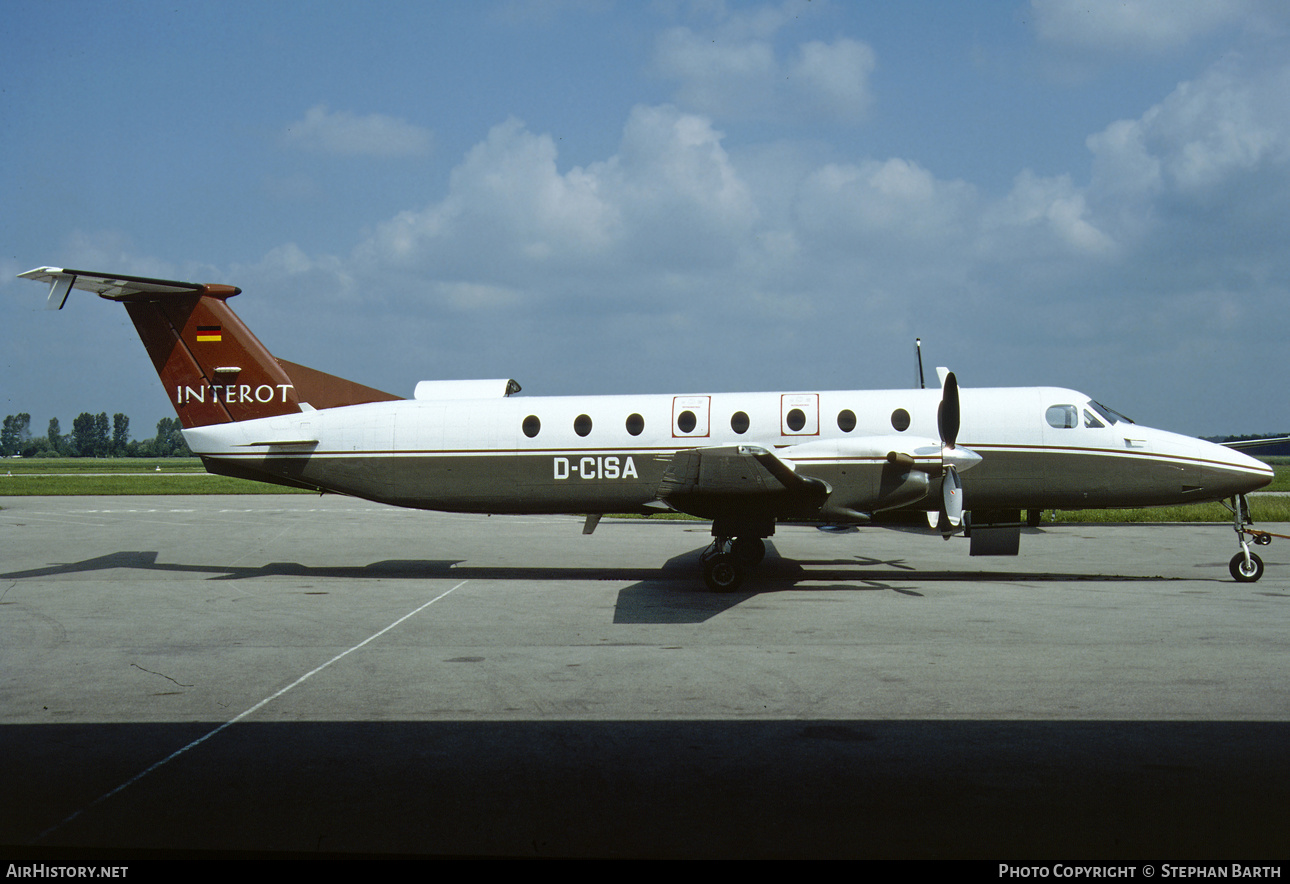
[635, 424]
[686, 421]
[1062, 417]
[796, 419]
[739, 422]
[582, 425]
[532, 426]
[900, 420]
[846, 420]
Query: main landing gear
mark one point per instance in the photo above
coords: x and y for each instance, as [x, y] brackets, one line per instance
[728, 560]
[1246, 567]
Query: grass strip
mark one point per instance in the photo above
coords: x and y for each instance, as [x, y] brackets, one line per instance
[196, 483]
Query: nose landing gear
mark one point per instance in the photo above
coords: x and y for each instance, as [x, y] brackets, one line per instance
[1246, 567]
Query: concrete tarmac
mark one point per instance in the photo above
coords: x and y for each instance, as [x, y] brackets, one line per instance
[291, 675]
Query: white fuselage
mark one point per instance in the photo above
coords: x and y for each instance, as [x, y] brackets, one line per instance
[1039, 447]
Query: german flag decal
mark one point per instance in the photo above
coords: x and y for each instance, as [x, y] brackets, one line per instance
[209, 333]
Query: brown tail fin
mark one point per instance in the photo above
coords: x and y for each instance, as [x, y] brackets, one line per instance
[214, 369]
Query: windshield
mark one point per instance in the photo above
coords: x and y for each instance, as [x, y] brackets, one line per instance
[1112, 416]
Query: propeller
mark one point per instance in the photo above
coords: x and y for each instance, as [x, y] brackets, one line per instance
[953, 459]
[947, 422]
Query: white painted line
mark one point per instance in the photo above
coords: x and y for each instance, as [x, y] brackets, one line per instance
[232, 721]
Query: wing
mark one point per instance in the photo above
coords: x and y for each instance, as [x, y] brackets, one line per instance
[743, 489]
[835, 481]
[743, 474]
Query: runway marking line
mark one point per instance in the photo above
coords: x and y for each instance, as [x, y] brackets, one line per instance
[232, 721]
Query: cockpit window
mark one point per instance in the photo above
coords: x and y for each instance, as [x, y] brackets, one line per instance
[1090, 420]
[1110, 414]
[1062, 416]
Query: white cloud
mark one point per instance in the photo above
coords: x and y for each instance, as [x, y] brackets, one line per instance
[730, 79]
[677, 185]
[735, 71]
[326, 278]
[1135, 25]
[753, 268]
[834, 77]
[670, 189]
[1222, 139]
[346, 134]
[476, 296]
[875, 205]
[507, 205]
[1054, 205]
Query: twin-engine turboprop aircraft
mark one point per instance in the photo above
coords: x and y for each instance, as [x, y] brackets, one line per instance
[948, 460]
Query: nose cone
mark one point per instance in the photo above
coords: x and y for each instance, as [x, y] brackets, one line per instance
[1224, 472]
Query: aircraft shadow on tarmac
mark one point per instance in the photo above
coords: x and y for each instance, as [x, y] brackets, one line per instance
[671, 593]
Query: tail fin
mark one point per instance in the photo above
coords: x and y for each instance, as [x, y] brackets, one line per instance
[214, 369]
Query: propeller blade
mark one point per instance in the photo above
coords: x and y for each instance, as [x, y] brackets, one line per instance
[952, 495]
[947, 415]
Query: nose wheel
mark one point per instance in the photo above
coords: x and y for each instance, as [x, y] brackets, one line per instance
[1246, 567]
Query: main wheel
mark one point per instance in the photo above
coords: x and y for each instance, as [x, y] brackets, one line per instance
[722, 574]
[1245, 572]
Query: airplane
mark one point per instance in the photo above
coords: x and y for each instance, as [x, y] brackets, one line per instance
[944, 461]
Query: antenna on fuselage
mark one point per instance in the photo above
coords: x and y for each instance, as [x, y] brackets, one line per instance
[918, 351]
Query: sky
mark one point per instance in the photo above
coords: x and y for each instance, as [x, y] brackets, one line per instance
[663, 197]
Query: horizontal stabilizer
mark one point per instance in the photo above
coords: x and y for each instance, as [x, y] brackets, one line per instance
[117, 287]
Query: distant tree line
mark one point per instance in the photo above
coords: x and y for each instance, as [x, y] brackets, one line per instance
[92, 435]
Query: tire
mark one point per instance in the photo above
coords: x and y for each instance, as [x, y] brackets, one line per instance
[722, 573]
[1244, 573]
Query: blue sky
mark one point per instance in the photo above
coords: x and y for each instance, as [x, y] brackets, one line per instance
[602, 197]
